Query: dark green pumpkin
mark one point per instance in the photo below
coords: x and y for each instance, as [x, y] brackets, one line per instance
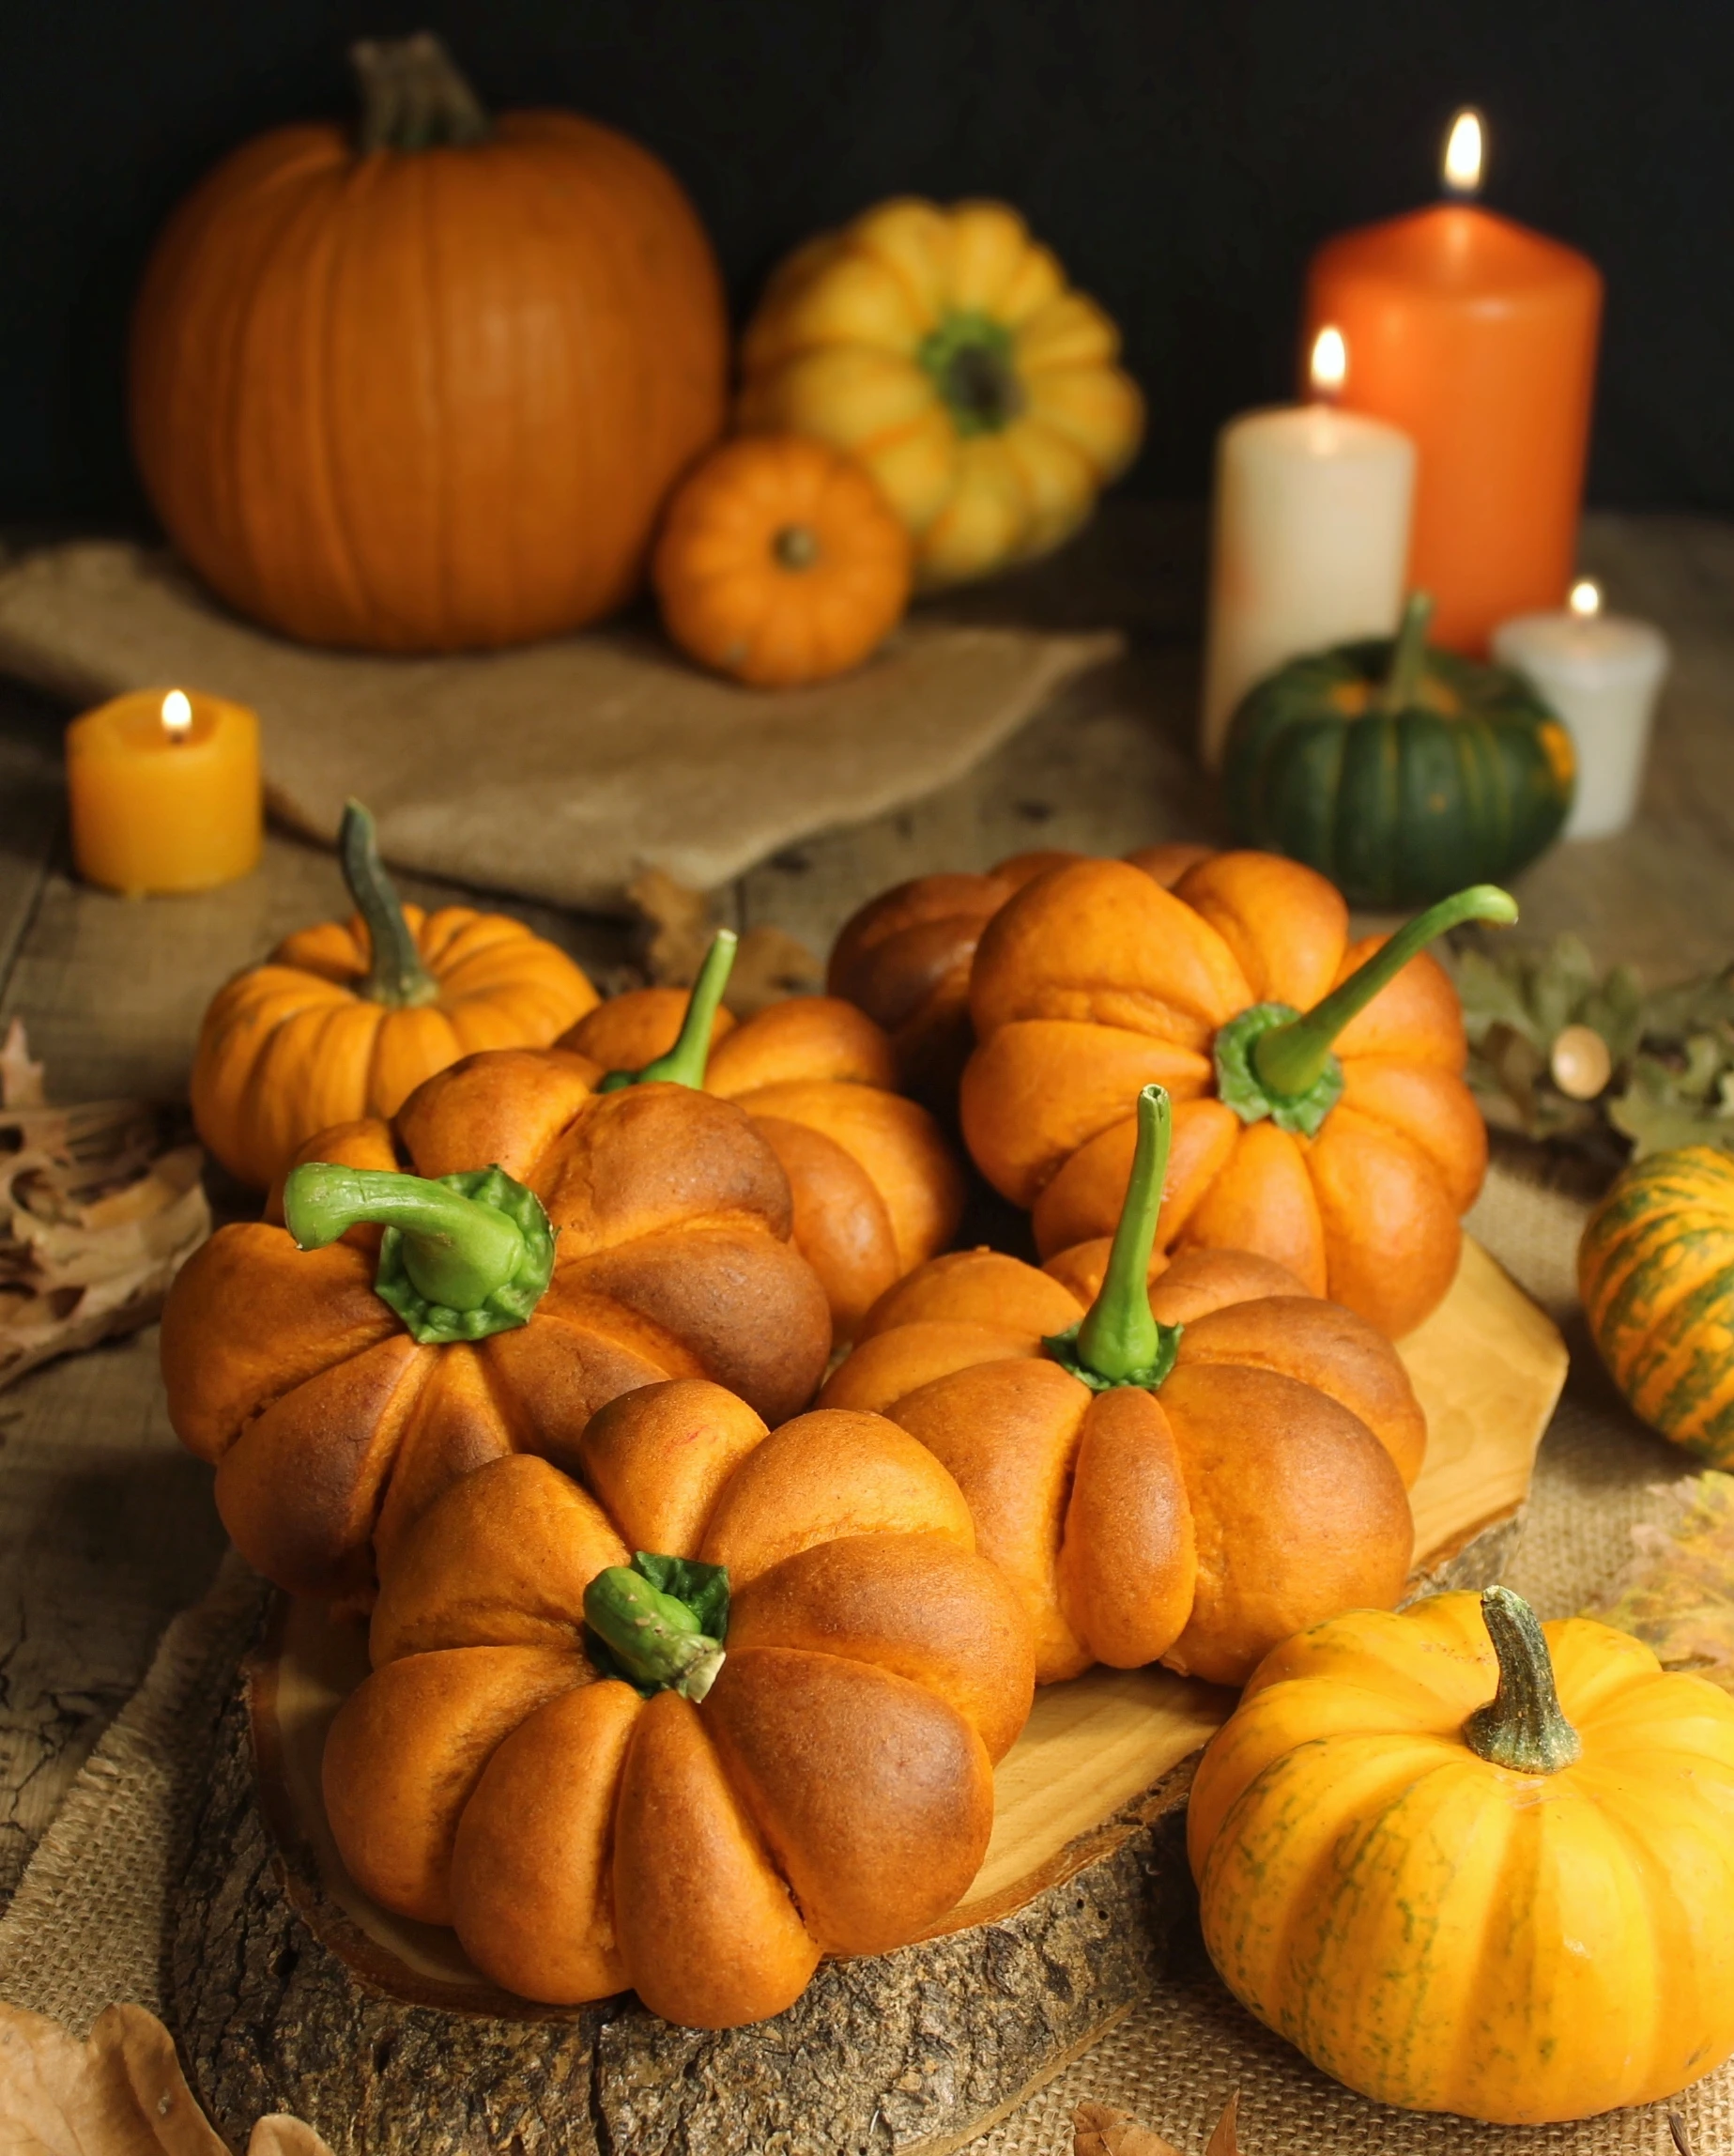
[1400, 771]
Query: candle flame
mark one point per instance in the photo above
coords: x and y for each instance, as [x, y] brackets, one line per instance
[1330, 361]
[177, 715]
[1586, 600]
[1464, 153]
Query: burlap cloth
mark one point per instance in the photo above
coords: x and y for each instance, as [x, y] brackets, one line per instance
[558, 771]
[89, 1918]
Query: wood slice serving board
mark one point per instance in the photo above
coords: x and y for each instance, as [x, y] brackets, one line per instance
[295, 1993]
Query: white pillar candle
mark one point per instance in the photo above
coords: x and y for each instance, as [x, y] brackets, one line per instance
[1600, 672]
[1309, 538]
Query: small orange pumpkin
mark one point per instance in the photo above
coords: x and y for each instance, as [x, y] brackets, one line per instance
[346, 1019]
[780, 563]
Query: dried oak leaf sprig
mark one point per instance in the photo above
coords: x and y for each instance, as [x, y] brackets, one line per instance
[1559, 1050]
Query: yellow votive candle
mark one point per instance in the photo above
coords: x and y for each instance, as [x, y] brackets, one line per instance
[165, 792]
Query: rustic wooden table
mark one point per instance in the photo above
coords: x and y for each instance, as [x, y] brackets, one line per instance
[107, 1528]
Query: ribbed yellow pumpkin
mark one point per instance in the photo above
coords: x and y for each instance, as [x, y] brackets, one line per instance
[1655, 1269]
[1463, 1877]
[943, 349]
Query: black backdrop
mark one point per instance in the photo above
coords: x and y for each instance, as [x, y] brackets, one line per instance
[1182, 156]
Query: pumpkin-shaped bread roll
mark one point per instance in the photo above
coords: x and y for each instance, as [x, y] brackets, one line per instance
[1181, 1462]
[1321, 1115]
[520, 1245]
[875, 1188]
[905, 957]
[768, 1737]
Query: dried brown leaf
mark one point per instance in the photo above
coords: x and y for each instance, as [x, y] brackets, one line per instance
[278, 2135]
[120, 2093]
[1098, 2129]
[770, 966]
[675, 927]
[21, 1079]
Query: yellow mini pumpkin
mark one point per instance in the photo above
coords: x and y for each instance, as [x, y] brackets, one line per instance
[945, 351]
[1459, 1888]
[1655, 1269]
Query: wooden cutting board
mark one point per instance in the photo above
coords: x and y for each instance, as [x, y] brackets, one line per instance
[297, 1993]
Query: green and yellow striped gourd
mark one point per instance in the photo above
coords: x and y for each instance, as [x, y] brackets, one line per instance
[1400, 771]
[1655, 1269]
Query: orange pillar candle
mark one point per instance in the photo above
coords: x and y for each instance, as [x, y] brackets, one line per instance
[1478, 338]
[165, 791]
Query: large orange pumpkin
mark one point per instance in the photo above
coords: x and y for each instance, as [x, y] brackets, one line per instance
[426, 389]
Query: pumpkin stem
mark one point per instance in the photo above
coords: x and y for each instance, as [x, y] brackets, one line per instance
[972, 362]
[685, 1063]
[795, 546]
[413, 96]
[462, 1258]
[1522, 1727]
[396, 976]
[1273, 1061]
[1409, 656]
[660, 1623]
[1118, 1340]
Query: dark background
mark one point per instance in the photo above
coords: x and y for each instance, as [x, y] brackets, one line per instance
[1183, 160]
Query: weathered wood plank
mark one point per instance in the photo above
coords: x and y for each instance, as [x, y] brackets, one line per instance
[31, 798]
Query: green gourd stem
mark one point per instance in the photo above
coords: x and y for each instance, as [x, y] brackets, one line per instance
[395, 976]
[685, 1063]
[1409, 656]
[413, 96]
[654, 1638]
[457, 1251]
[1119, 1337]
[972, 362]
[1522, 1727]
[1289, 1059]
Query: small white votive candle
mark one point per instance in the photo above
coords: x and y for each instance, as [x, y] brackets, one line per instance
[1309, 538]
[1602, 673]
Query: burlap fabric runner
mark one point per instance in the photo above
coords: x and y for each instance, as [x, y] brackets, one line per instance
[88, 1918]
[558, 771]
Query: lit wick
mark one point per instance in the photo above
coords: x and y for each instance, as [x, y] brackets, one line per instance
[1465, 152]
[177, 717]
[1329, 365]
[1586, 599]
